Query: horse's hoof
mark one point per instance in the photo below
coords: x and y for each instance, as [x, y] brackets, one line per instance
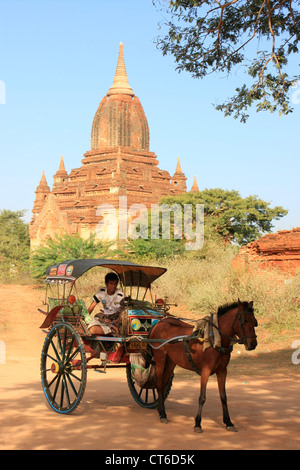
[198, 429]
[231, 429]
[164, 420]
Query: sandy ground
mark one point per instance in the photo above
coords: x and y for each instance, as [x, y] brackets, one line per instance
[264, 409]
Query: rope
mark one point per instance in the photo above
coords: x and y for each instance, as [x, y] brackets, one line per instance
[175, 339]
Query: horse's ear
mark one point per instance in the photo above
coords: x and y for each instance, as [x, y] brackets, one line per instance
[240, 306]
[251, 304]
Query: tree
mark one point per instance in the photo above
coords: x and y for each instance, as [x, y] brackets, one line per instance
[66, 247]
[154, 249]
[14, 242]
[229, 216]
[209, 36]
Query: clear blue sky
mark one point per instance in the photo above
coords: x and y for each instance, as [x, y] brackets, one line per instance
[58, 59]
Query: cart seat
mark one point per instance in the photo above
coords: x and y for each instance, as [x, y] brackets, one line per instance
[70, 313]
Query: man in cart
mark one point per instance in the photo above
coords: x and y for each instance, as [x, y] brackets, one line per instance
[109, 297]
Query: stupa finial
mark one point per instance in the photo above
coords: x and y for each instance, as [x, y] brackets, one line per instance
[195, 185]
[120, 83]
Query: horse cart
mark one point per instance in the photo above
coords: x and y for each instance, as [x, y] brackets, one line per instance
[69, 348]
[148, 341]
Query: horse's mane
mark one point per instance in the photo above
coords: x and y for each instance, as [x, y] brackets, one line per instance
[226, 307]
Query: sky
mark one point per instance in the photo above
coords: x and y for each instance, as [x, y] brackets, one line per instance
[57, 61]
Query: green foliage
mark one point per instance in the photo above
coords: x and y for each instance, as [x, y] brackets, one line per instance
[209, 36]
[229, 216]
[67, 247]
[154, 249]
[14, 236]
[14, 244]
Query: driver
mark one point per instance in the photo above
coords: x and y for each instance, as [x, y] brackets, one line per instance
[104, 322]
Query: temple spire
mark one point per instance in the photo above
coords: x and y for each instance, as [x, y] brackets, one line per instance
[61, 165]
[43, 186]
[61, 175]
[195, 185]
[41, 194]
[178, 167]
[179, 179]
[120, 83]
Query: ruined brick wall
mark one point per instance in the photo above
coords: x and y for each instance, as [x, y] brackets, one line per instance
[280, 250]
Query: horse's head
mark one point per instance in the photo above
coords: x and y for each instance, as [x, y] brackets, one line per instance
[244, 325]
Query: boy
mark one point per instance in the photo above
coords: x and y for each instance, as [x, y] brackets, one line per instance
[110, 298]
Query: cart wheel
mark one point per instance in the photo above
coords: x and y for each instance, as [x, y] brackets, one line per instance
[145, 397]
[63, 368]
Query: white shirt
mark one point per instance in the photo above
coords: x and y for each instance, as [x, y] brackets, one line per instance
[110, 303]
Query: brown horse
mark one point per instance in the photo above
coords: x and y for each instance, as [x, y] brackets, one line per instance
[236, 323]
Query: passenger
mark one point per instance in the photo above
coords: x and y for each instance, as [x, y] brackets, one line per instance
[105, 321]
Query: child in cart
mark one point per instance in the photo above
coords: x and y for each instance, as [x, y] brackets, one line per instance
[110, 297]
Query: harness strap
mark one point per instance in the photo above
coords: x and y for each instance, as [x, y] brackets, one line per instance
[223, 350]
[189, 357]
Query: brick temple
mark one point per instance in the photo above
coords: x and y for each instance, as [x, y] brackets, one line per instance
[119, 163]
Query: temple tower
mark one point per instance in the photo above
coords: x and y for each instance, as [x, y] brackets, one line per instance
[120, 119]
[118, 164]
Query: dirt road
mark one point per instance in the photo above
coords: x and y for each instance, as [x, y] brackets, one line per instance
[266, 410]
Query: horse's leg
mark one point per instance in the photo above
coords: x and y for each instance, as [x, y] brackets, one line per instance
[160, 360]
[205, 373]
[221, 376]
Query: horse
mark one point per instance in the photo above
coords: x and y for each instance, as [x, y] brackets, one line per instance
[236, 324]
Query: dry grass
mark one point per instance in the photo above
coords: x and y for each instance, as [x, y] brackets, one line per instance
[204, 284]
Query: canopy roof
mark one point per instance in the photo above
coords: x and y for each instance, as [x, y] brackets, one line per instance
[129, 273]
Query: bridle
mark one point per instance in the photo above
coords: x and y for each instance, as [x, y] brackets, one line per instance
[241, 318]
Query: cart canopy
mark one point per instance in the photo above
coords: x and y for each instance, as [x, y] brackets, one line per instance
[129, 273]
